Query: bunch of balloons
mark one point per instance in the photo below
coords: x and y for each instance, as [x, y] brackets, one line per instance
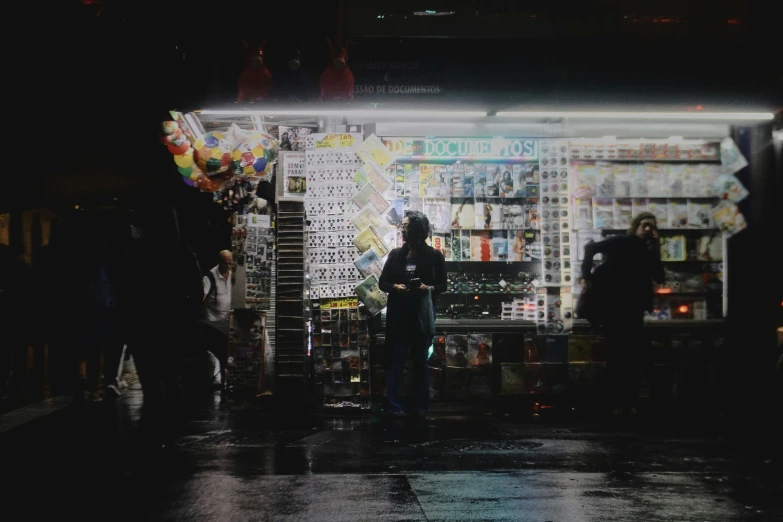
[216, 159]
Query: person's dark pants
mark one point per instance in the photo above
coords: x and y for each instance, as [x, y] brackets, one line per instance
[417, 349]
[625, 343]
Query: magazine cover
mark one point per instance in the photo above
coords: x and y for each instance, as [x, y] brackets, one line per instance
[374, 152]
[468, 180]
[412, 180]
[516, 245]
[709, 176]
[584, 214]
[676, 180]
[499, 246]
[506, 183]
[678, 213]
[638, 181]
[532, 176]
[728, 218]
[458, 181]
[293, 138]
[604, 179]
[457, 351]
[731, 159]
[368, 174]
[691, 179]
[369, 263]
[660, 209]
[399, 181]
[480, 181]
[673, 248]
[584, 180]
[434, 181]
[657, 181]
[603, 213]
[489, 214]
[368, 195]
[728, 187]
[699, 214]
[368, 216]
[513, 215]
[456, 247]
[639, 205]
[518, 173]
[463, 215]
[494, 177]
[438, 211]
[623, 213]
[369, 238]
[438, 242]
[479, 351]
[532, 215]
[371, 295]
[533, 247]
[622, 180]
[465, 246]
[481, 246]
[427, 183]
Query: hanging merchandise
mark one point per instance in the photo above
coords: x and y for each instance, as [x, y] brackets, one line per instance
[255, 82]
[728, 218]
[213, 153]
[731, 159]
[254, 156]
[337, 80]
[728, 187]
[216, 160]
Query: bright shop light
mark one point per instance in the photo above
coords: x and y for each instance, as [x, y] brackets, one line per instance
[355, 113]
[640, 115]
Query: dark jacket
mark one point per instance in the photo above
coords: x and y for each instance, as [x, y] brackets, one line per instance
[624, 279]
[430, 268]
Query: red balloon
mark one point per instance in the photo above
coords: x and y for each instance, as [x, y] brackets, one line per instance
[178, 149]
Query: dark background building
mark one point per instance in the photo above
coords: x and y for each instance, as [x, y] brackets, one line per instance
[99, 75]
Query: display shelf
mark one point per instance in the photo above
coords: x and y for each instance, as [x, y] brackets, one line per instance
[667, 230]
[715, 161]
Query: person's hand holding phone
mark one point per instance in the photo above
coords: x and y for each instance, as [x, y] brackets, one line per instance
[401, 289]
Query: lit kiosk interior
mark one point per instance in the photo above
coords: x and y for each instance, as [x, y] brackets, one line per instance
[512, 198]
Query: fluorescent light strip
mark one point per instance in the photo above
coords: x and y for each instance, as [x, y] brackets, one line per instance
[756, 116]
[400, 115]
[352, 113]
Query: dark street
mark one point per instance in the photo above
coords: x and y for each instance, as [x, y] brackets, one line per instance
[210, 463]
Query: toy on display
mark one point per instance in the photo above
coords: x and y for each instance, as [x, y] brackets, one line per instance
[255, 82]
[337, 80]
[253, 157]
[213, 153]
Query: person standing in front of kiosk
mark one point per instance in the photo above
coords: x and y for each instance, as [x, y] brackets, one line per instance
[413, 272]
[623, 289]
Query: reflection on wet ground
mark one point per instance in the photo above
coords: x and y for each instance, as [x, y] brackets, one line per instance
[203, 461]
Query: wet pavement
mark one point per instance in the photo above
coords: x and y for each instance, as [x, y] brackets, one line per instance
[207, 462]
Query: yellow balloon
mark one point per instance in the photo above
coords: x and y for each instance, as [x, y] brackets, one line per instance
[184, 160]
